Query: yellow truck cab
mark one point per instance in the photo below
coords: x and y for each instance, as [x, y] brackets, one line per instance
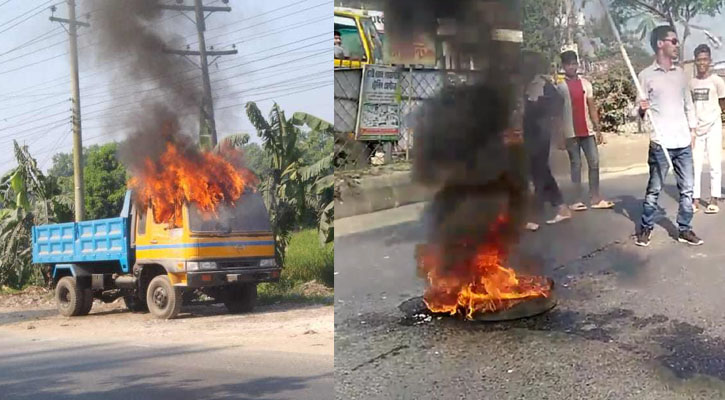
[361, 41]
[225, 255]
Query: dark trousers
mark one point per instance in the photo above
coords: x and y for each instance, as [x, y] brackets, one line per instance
[575, 146]
[546, 189]
[684, 175]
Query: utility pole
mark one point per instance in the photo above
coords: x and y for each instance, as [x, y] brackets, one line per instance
[76, 106]
[207, 106]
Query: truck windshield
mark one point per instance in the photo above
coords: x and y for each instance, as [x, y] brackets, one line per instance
[248, 215]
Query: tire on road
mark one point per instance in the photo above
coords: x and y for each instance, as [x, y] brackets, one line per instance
[135, 304]
[72, 300]
[163, 299]
[241, 298]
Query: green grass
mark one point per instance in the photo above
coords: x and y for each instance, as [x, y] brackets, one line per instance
[9, 290]
[306, 261]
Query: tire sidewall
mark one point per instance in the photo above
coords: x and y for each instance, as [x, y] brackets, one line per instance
[173, 298]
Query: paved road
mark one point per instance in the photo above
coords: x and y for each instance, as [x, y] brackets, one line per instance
[61, 369]
[632, 323]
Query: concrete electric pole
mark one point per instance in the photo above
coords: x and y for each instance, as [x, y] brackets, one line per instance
[76, 106]
[207, 106]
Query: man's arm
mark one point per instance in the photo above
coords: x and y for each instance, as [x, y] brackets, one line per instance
[720, 84]
[594, 115]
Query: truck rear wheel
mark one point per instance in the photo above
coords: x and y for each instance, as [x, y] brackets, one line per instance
[71, 299]
[241, 298]
[163, 299]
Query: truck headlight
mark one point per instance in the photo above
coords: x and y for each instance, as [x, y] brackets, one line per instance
[207, 265]
[267, 262]
[192, 266]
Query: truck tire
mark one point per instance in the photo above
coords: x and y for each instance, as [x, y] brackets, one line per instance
[70, 298]
[162, 298]
[87, 301]
[241, 298]
[134, 304]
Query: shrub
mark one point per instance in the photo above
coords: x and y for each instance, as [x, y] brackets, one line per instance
[615, 94]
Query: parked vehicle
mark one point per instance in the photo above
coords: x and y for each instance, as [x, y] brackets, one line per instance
[361, 40]
[154, 266]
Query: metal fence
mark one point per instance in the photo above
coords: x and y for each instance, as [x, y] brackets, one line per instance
[416, 86]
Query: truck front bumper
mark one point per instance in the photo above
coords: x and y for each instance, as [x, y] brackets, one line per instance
[199, 279]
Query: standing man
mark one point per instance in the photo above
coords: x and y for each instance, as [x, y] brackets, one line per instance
[581, 130]
[667, 96]
[542, 105]
[708, 96]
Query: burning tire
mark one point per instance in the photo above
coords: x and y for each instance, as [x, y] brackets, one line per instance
[241, 299]
[72, 301]
[162, 298]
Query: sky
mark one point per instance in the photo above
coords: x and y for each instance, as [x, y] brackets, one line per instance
[284, 49]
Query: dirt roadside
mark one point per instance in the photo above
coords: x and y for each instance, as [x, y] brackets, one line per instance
[293, 328]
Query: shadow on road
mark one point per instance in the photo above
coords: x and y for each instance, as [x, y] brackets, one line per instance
[55, 374]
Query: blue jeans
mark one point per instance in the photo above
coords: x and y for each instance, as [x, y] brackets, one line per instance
[685, 177]
[575, 146]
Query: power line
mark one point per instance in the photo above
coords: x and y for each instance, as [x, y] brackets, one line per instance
[32, 41]
[41, 7]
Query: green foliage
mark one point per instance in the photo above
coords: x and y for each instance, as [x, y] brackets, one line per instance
[540, 32]
[29, 198]
[309, 260]
[651, 12]
[292, 188]
[615, 94]
[105, 182]
[306, 260]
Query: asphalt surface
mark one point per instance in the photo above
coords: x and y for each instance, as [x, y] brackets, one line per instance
[631, 322]
[61, 369]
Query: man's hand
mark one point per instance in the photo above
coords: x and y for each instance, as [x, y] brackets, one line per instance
[600, 137]
[693, 138]
[643, 106]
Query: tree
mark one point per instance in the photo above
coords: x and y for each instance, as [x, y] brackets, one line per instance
[29, 198]
[541, 33]
[669, 11]
[105, 182]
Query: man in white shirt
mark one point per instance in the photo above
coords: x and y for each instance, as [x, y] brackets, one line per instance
[667, 96]
[708, 96]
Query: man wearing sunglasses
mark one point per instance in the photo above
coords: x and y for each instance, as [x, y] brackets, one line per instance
[667, 97]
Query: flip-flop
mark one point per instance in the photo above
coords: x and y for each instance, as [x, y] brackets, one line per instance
[712, 209]
[578, 206]
[558, 218]
[532, 226]
[603, 205]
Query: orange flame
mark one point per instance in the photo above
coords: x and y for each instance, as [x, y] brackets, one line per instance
[204, 178]
[479, 283]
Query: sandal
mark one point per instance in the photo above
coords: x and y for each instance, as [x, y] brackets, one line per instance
[532, 226]
[712, 209]
[603, 205]
[578, 206]
[558, 218]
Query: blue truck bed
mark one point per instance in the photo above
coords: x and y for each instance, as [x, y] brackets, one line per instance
[96, 241]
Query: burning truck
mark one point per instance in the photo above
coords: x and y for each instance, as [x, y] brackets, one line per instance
[192, 220]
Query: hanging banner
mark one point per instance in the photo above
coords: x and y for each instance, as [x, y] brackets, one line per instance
[379, 110]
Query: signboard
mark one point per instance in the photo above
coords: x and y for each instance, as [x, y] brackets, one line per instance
[379, 111]
[421, 50]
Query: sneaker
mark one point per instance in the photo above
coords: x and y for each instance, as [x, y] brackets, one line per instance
[690, 238]
[643, 237]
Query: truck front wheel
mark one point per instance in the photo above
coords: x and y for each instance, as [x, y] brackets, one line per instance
[71, 299]
[162, 298]
[241, 298]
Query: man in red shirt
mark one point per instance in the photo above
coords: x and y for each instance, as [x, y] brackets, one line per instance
[580, 128]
